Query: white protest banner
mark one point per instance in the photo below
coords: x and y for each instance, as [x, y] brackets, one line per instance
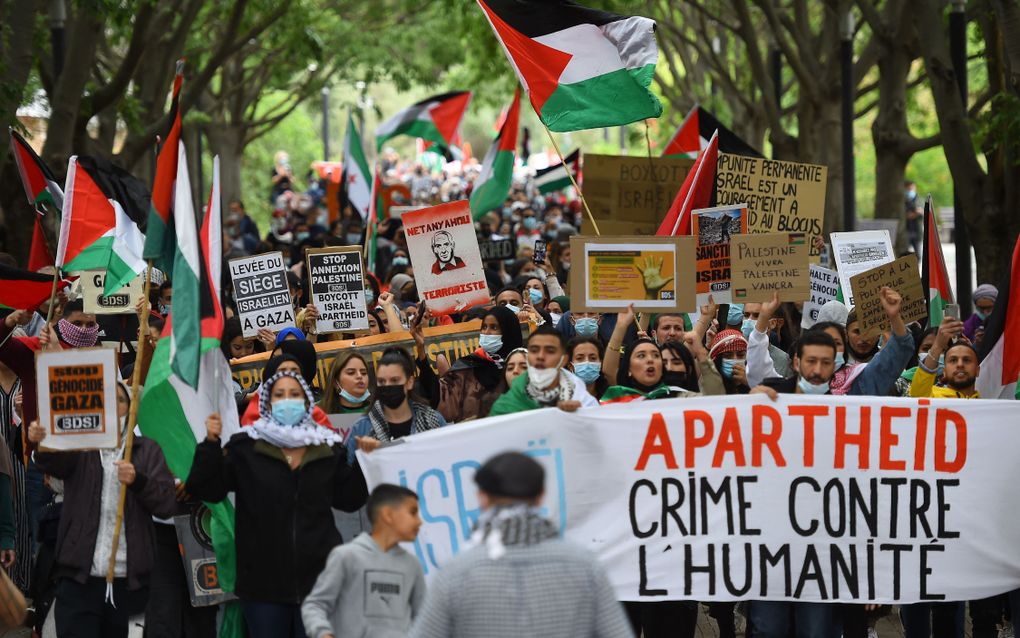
[261, 293]
[850, 499]
[859, 252]
[824, 288]
[77, 392]
[337, 288]
[444, 252]
[120, 302]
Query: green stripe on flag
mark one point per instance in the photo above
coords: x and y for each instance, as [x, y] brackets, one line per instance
[492, 192]
[101, 256]
[613, 99]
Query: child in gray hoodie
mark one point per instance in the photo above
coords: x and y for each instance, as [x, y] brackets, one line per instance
[371, 587]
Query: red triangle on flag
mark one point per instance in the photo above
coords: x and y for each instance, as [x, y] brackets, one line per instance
[696, 192]
[447, 115]
[687, 140]
[39, 256]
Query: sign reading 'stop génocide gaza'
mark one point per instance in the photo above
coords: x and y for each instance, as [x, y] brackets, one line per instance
[337, 288]
[447, 263]
[77, 392]
[261, 293]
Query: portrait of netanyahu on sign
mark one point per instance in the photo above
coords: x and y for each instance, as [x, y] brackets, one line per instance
[442, 247]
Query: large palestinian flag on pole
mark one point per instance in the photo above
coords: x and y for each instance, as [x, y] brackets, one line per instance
[696, 192]
[697, 129]
[434, 119]
[172, 410]
[555, 178]
[497, 174]
[582, 68]
[159, 240]
[40, 185]
[357, 178]
[99, 230]
[934, 276]
[1000, 347]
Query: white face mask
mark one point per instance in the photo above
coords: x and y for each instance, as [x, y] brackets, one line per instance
[542, 378]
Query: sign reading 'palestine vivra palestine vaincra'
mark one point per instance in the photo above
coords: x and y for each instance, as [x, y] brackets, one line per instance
[582, 68]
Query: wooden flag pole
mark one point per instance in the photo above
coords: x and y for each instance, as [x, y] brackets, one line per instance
[563, 161]
[53, 296]
[136, 376]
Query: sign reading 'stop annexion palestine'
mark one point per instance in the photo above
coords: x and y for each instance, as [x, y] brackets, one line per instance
[781, 197]
[337, 288]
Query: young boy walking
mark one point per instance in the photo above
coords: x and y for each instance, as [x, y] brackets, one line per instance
[371, 587]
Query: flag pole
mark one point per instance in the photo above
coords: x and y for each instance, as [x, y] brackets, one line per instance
[563, 161]
[129, 437]
[53, 296]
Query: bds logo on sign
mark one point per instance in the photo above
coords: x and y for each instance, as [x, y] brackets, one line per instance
[207, 581]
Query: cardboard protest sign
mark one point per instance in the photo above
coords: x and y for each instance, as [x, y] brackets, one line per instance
[629, 195]
[337, 288]
[261, 293]
[496, 249]
[194, 538]
[122, 301]
[900, 275]
[859, 252]
[653, 273]
[781, 197]
[769, 263]
[447, 263]
[714, 228]
[453, 342]
[824, 288]
[77, 392]
[807, 499]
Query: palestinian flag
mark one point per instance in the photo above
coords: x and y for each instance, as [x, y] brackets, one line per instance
[103, 208]
[435, 119]
[582, 68]
[40, 185]
[555, 178]
[696, 192]
[356, 176]
[159, 241]
[934, 276]
[371, 232]
[695, 131]
[1000, 347]
[24, 289]
[39, 255]
[497, 174]
[172, 411]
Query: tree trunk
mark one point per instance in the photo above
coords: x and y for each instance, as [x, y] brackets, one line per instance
[228, 143]
[890, 133]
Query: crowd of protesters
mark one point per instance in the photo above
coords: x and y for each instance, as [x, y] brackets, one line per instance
[288, 469]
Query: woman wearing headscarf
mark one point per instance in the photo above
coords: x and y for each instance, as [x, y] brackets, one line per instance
[285, 361]
[984, 297]
[728, 351]
[475, 381]
[287, 473]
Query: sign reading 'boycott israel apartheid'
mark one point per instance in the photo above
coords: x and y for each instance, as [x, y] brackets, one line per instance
[77, 392]
[261, 293]
[448, 267]
[337, 288]
[850, 499]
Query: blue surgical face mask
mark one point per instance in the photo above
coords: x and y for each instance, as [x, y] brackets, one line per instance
[289, 411]
[840, 361]
[535, 295]
[747, 327]
[588, 371]
[512, 308]
[729, 364]
[369, 296]
[490, 343]
[352, 398]
[353, 238]
[810, 388]
[530, 223]
[982, 315]
[303, 235]
[400, 260]
[586, 327]
[735, 315]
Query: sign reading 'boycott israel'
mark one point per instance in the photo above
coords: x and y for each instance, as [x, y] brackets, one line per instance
[447, 263]
[77, 392]
[805, 498]
[337, 288]
[261, 293]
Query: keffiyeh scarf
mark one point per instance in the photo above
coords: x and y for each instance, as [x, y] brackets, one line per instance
[422, 420]
[306, 432]
[511, 526]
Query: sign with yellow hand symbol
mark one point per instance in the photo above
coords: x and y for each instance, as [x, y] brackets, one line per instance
[653, 273]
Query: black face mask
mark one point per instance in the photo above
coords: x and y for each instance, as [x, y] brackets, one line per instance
[391, 396]
[675, 379]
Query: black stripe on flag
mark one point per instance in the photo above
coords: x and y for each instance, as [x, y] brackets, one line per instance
[729, 142]
[534, 18]
[120, 186]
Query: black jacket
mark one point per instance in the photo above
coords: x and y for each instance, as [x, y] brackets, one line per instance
[284, 526]
[151, 494]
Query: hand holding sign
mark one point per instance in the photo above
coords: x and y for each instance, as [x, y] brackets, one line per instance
[651, 272]
[125, 472]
